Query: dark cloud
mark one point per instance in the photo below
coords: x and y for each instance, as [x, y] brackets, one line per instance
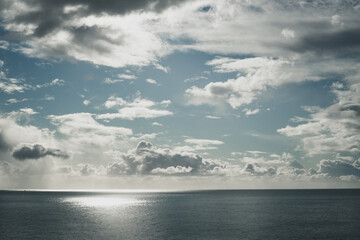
[37, 151]
[146, 159]
[50, 14]
[329, 42]
[337, 168]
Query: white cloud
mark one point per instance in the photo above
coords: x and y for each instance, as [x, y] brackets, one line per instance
[112, 81]
[13, 134]
[11, 85]
[126, 76]
[4, 45]
[14, 100]
[146, 159]
[138, 108]
[86, 102]
[55, 82]
[151, 81]
[336, 21]
[82, 129]
[131, 113]
[197, 78]
[213, 117]
[288, 33]
[161, 68]
[333, 129]
[255, 75]
[249, 112]
[197, 145]
[28, 111]
[203, 142]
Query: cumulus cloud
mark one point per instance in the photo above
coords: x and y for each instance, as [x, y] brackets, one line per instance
[146, 159]
[137, 108]
[254, 76]
[37, 151]
[333, 129]
[13, 134]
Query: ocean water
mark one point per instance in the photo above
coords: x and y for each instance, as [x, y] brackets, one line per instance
[227, 214]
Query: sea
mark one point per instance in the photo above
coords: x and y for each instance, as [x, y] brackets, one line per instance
[208, 214]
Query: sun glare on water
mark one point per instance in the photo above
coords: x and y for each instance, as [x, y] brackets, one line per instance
[104, 201]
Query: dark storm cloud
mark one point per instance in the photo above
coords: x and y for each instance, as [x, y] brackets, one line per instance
[37, 151]
[337, 168]
[49, 14]
[146, 159]
[329, 42]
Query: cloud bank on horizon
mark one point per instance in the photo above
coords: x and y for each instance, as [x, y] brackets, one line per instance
[209, 92]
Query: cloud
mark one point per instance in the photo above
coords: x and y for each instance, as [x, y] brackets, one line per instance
[203, 142]
[338, 42]
[338, 168]
[197, 78]
[87, 170]
[197, 145]
[249, 112]
[288, 33]
[37, 151]
[254, 76]
[14, 100]
[137, 108]
[87, 31]
[82, 130]
[59, 28]
[333, 129]
[55, 82]
[112, 81]
[151, 81]
[126, 76]
[146, 160]
[11, 85]
[212, 117]
[13, 134]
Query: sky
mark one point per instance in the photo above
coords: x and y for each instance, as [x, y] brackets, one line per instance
[170, 94]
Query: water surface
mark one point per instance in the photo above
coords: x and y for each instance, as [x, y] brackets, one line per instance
[224, 214]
